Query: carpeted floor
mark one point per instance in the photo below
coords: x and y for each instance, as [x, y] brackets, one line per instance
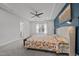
[16, 49]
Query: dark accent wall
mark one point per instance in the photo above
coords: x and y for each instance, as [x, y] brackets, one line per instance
[75, 22]
[75, 17]
[56, 21]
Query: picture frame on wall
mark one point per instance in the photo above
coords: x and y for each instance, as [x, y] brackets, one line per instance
[65, 15]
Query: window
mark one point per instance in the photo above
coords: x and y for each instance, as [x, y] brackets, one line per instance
[41, 28]
[21, 28]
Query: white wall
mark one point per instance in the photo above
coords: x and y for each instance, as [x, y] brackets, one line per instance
[50, 26]
[9, 27]
[26, 29]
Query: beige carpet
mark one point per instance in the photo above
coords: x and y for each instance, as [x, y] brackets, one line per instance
[16, 49]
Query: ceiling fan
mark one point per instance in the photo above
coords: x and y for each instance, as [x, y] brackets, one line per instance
[36, 14]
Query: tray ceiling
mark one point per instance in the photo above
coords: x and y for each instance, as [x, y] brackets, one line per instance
[50, 10]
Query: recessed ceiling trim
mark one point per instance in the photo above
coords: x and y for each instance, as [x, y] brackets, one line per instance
[5, 8]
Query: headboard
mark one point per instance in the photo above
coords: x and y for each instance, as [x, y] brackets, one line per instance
[64, 32]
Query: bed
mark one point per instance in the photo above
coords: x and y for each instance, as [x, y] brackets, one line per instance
[45, 42]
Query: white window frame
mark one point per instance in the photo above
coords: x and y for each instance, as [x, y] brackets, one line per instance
[38, 26]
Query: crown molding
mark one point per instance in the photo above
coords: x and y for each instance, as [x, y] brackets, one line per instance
[5, 8]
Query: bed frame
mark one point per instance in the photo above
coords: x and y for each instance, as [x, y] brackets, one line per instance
[58, 47]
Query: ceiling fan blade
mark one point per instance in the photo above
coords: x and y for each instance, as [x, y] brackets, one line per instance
[38, 16]
[33, 16]
[40, 13]
[32, 13]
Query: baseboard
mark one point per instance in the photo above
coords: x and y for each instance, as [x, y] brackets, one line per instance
[8, 42]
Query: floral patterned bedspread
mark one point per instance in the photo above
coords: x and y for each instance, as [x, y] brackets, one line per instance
[44, 42]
